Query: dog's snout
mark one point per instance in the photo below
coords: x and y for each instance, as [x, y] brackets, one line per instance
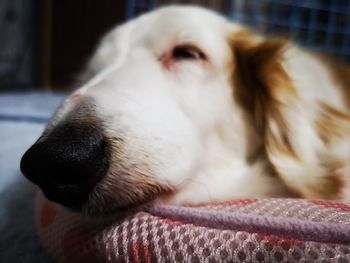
[68, 163]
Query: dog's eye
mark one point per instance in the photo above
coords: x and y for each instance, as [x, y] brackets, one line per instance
[188, 53]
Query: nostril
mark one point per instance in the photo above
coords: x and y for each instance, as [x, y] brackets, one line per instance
[68, 163]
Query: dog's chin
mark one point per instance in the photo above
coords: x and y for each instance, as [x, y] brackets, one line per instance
[112, 211]
[107, 206]
[118, 193]
[107, 210]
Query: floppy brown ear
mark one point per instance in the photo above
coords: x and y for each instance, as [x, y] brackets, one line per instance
[292, 142]
[263, 87]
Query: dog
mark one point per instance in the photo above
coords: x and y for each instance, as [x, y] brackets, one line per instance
[181, 106]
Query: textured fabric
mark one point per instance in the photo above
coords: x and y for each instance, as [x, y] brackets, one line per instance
[249, 230]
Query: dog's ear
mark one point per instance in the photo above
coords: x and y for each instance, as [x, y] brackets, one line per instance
[258, 77]
[292, 139]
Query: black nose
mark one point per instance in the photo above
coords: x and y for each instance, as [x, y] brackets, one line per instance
[68, 163]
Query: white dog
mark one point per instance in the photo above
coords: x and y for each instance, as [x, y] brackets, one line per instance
[184, 107]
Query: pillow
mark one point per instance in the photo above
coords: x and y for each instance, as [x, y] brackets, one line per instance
[250, 230]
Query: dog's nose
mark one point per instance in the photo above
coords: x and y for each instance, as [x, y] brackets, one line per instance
[68, 163]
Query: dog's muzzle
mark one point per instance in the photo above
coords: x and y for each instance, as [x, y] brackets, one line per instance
[68, 162]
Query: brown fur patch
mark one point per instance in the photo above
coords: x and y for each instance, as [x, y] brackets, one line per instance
[259, 81]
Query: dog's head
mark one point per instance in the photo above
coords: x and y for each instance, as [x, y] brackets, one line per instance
[168, 100]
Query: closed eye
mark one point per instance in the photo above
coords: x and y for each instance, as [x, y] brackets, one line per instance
[187, 52]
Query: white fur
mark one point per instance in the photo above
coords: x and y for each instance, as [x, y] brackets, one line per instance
[185, 119]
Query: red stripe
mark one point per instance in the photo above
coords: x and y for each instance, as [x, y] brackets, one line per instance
[135, 252]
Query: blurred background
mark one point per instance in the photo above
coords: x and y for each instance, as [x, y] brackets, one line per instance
[44, 44]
